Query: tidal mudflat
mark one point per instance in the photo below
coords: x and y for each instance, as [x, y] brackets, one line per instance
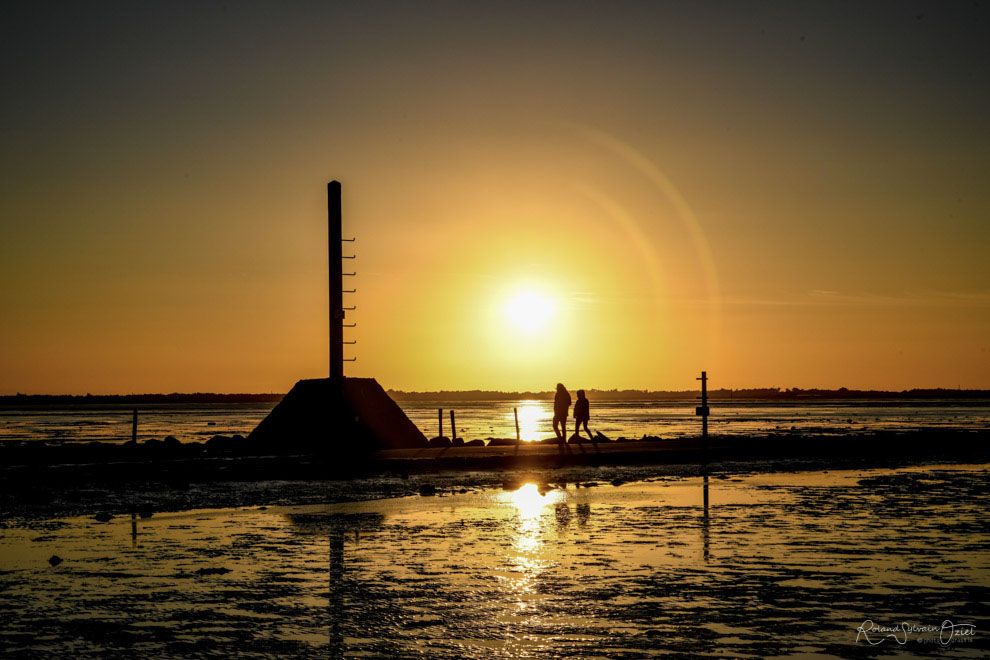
[775, 564]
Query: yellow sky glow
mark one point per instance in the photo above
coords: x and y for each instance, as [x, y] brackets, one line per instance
[604, 196]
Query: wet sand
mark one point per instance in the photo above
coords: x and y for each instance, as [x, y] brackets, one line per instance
[163, 480]
[777, 563]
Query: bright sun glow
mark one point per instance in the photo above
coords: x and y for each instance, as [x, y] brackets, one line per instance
[529, 311]
[534, 420]
[530, 501]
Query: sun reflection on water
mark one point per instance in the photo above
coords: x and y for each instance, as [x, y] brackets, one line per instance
[533, 419]
[528, 557]
[530, 501]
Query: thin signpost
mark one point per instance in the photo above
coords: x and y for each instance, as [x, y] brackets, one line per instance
[702, 410]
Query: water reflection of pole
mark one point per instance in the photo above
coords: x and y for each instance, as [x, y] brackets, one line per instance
[704, 518]
[133, 529]
[336, 594]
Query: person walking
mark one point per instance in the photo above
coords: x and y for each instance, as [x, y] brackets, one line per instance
[582, 414]
[561, 404]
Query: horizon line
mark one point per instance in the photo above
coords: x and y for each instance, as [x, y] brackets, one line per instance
[476, 391]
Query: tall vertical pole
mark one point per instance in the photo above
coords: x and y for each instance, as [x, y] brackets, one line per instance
[336, 282]
[453, 427]
[440, 418]
[516, 411]
[134, 427]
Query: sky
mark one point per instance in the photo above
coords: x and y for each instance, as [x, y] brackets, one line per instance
[605, 194]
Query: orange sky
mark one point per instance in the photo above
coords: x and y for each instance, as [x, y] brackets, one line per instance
[783, 197]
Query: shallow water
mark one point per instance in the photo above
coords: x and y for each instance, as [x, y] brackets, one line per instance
[677, 419]
[775, 564]
[496, 419]
[112, 423]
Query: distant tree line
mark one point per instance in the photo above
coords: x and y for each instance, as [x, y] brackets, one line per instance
[759, 394]
[125, 399]
[763, 393]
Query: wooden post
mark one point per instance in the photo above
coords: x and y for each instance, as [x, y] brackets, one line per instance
[134, 427]
[516, 411]
[453, 427]
[440, 417]
[336, 282]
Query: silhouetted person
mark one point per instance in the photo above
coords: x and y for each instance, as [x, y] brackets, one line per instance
[561, 404]
[582, 414]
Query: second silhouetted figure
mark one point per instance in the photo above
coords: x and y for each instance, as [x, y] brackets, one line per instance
[582, 414]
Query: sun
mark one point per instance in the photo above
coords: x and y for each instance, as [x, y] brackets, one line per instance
[529, 311]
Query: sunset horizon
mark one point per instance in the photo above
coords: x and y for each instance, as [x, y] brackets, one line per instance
[527, 325]
[546, 391]
[461, 330]
[802, 204]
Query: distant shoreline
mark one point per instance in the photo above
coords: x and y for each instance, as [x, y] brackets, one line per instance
[762, 394]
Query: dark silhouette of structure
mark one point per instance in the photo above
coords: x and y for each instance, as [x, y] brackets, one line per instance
[334, 240]
[345, 416]
[327, 415]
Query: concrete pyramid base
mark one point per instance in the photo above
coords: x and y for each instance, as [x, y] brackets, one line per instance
[349, 416]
